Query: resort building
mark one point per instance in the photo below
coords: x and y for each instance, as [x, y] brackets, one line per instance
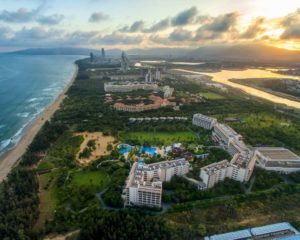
[223, 134]
[204, 121]
[240, 167]
[277, 159]
[158, 102]
[168, 91]
[215, 172]
[278, 231]
[110, 87]
[144, 183]
[236, 146]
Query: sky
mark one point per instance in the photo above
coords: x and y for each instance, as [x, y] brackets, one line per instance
[148, 23]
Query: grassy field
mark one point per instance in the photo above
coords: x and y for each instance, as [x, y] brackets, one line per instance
[212, 96]
[95, 179]
[159, 138]
[47, 196]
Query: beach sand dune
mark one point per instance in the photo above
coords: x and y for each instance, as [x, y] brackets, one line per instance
[12, 157]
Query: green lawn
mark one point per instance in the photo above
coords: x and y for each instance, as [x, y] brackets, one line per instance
[159, 138]
[95, 179]
[47, 195]
[45, 165]
[212, 96]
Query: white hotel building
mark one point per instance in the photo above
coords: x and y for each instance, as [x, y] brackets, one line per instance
[204, 121]
[144, 183]
[240, 167]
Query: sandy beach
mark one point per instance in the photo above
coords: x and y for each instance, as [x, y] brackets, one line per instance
[11, 158]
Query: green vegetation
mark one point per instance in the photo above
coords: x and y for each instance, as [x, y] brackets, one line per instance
[158, 138]
[123, 225]
[265, 179]
[69, 194]
[96, 179]
[180, 190]
[212, 96]
[112, 197]
[269, 129]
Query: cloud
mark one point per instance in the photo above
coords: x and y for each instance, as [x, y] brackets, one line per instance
[161, 25]
[180, 34]
[20, 16]
[222, 23]
[137, 26]
[118, 38]
[98, 17]
[186, 17]
[38, 33]
[50, 20]
[291, 24]
[256, 27]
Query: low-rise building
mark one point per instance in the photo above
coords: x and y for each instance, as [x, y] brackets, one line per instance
[276, 231]
[144, 183]
[277, 159]
[110, 87]
[204, 121]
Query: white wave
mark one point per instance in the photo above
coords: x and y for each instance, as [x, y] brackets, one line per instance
[48, 89]
[32, 100]
[23, 114]
[3, 144]
[2, 126]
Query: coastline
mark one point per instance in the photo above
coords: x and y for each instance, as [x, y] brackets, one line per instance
[11, 158]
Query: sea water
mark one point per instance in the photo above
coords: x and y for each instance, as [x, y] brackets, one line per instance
[28, 85]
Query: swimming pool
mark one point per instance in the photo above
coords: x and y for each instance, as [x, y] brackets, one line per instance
[148, 150]
[124, 148]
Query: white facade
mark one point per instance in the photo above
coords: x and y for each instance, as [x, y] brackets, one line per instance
[215, 172]
[240, 168]
[204, 121]
[144, 183]
[277, 159]
[109, 87]
[224, 134]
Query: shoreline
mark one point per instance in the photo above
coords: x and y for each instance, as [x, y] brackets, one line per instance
[11, 158]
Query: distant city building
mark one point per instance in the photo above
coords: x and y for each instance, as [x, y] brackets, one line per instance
[144, 183]
[278, 231]
[103, 53]
[277, 159]
[204, 121]
[91, 57]
[124, 62]
[149, 76]
[157, 75]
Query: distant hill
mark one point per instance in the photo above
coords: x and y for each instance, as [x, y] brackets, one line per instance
[246, 52]
[253, 52]
[55, 51]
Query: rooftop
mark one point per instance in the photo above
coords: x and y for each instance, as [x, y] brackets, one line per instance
[242, 234]
[273, 228]
[278, 154]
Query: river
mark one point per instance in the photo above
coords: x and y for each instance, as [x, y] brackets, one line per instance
[225, 75]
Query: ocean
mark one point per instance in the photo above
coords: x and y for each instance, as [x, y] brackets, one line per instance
[28, 85]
